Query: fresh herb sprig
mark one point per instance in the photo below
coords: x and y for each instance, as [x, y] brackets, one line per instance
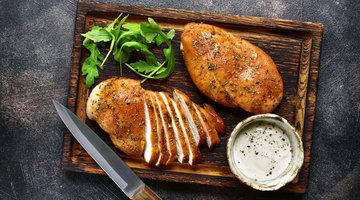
[124, 40]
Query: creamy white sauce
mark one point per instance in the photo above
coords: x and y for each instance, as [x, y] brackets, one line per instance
[262, 151]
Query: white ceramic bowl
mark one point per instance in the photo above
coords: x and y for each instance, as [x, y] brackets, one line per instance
[240, 157]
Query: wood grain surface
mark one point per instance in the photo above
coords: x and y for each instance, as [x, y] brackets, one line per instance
[294, 46]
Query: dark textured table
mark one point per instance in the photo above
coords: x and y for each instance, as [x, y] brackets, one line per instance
[36, 44]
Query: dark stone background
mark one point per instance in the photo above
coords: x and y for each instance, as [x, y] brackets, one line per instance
[36, 44]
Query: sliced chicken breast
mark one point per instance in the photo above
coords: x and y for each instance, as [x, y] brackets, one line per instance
[168, 131]
[152, 124]
[181, 147]
[151, 151]
[163, 151]
[215, 119]
[194, 122]
[212, 138]
[194, 152]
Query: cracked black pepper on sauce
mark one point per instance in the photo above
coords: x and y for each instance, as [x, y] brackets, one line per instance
[262, 151]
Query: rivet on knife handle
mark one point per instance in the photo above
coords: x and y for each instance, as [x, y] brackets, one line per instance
[145, 193]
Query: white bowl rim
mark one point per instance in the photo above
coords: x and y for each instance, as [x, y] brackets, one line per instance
[281, 181]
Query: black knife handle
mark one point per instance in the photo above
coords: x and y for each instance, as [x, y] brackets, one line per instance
[145, 193]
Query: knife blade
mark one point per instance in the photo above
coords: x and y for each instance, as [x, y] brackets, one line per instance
[104, 156]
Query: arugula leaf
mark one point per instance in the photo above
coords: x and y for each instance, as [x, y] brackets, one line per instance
[110, 29]
[143, 48]
[150, 30]
[151, 75]
[170, 35]
[124, 39]
[118, 32]
[122, 56]
[131, 27]
[91, 63]
[153, 34]
[110, 26]
[90, 71]
[98, 34]
[144, 67]
[159, 40]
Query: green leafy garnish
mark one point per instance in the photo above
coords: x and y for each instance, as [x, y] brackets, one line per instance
[91, 63]
[125, 39]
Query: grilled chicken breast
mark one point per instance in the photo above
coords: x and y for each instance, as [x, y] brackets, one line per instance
[238, 74]
[118, 107]
[153, 124]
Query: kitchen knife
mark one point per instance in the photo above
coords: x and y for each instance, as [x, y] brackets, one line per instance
[105, 157]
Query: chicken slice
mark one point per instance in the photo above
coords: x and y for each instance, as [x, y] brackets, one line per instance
[163, 151]
[118, 107]
[168, 133]
[194, 123]
[151, 152]
[212, 138]
[194, 152]
[214, 119]
[181, 147]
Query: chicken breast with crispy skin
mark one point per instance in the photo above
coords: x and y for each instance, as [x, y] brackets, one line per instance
[238, 74]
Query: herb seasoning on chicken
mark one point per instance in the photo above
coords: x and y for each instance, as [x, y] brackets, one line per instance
[152, 124]
[238, 74]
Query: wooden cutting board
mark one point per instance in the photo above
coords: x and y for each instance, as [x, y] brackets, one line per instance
[294, 46]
